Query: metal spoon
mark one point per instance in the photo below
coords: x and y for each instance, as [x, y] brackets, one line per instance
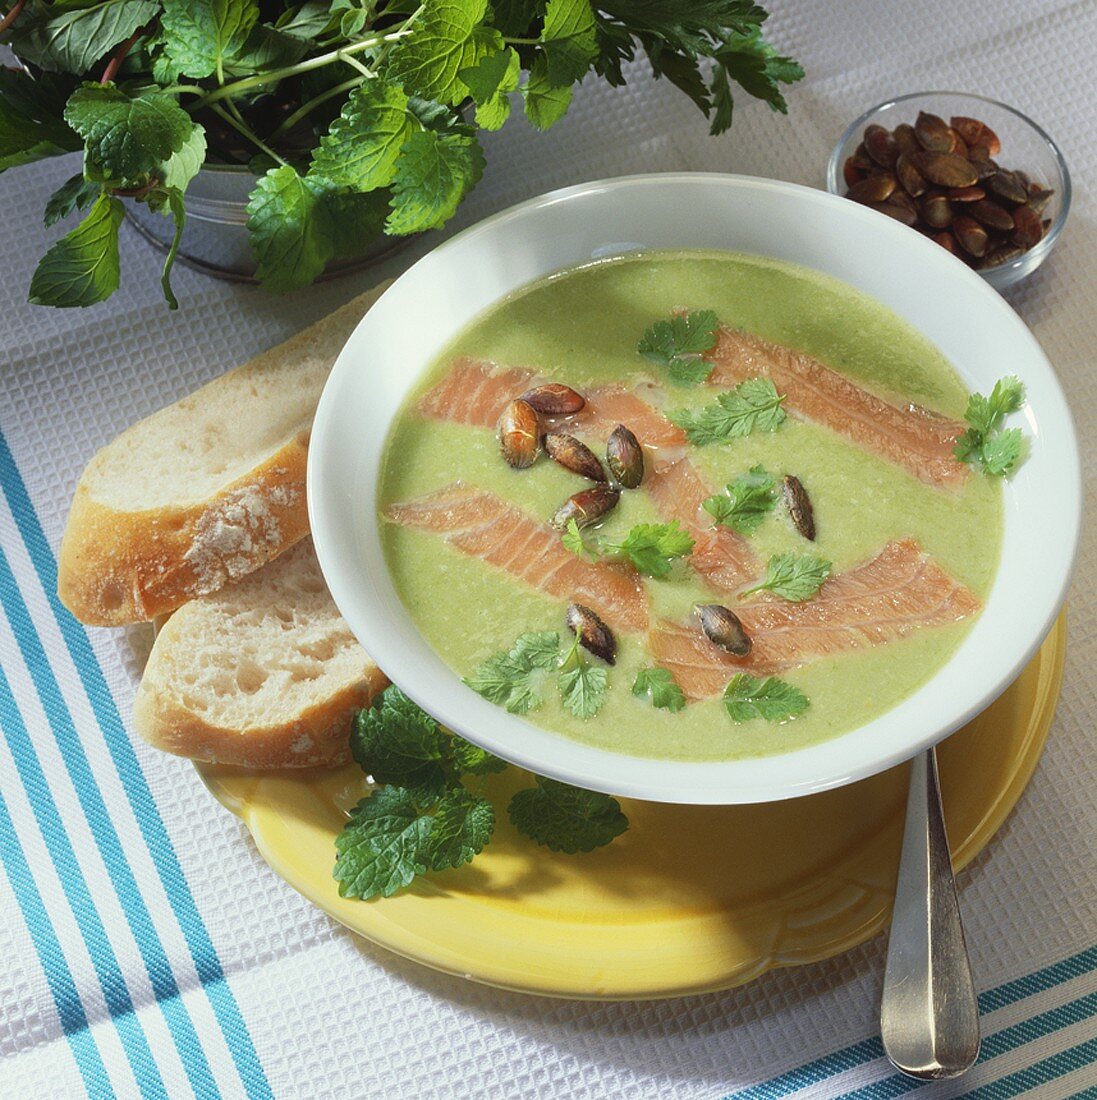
[929, 1016]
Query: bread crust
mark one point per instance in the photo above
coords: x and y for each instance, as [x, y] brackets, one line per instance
[317, 736]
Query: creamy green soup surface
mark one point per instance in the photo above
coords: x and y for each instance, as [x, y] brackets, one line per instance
[581, 327]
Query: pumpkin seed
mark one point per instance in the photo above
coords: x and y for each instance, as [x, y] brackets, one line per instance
[946, 169]
[586, 507]
[983, 165]
[723, 628]
[799, 506]
[872, 189]
[1003, 254]
[880, 146]
[1027, 228]
[966, 194]
[1038, 198]
[851, 173]
[861, 159]
[625, 458]
[898, 211]
[947, 241]
[905, 138]
[554, 399]
[932, 132]
[975, 132]
[991, 215]
[971, 235]
[574, 456]
[1007, 186]
[912, 181]
[936, 211]
[593, 634]
[520, 434]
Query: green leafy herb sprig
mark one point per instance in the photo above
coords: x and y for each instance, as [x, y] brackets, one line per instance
[660, 686]
[747, 697]
[752, 406]
[359, 117]
[651, 547]
[679, 344]
[995, 450]
[792, 576]
[745, 502]
[425, 817]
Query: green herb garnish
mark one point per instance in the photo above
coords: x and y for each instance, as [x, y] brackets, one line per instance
[582, 685]
[793, 577]
[424, 818]
[513, 679]
[985, 444]
[651, 547]
[747, 697]
[679, 344]
[745, 502]
[659, 685]
[754, 405]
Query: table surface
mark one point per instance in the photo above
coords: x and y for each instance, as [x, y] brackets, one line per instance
[144, 946]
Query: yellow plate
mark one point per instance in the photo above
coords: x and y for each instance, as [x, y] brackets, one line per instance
[691, 898]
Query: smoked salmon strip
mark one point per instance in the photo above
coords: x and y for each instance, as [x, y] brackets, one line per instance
[898, 592]
[485, 526]
[475, 393]
[915, 438]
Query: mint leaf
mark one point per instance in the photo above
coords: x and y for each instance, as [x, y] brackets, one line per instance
[395, 741]
[569, 40]
[679, 343]
[82, 267]
[659, 684]
[489, 83]
[566, 819]
[513, 679]
[125, 135]
[384, 845]
[793, 577]
[434, 173]
[184, 164]
[545, 104]
[582, 685]
[754, 405]
[448, 38]
[1001, 451]
[361, 149]
[652, 547]
[31, 127]
[200, 34]
[73, 41]
[462, 827]
[470, 759]
[745, 502]
[266, 48]
[747, 697]
[74, 194]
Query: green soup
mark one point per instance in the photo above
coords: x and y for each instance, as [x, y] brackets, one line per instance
[581, 327]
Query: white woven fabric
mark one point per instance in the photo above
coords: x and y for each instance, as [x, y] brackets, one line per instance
[326, 1014]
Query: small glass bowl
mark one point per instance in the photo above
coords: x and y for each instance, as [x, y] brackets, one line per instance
[1025, 146]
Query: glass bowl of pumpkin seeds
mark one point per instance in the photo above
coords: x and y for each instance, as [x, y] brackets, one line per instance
[976, 176]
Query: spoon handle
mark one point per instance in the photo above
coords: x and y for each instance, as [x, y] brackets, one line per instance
[929, 1016]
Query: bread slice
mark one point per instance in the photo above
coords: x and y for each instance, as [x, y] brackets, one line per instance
[203, 491]
[263, 673]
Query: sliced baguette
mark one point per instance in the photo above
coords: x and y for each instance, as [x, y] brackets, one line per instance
[203, 491]
[263, 673]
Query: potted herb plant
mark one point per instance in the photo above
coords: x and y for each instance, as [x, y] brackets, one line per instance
[352, 119]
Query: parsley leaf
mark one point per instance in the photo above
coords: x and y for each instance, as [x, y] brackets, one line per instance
[651, 547]
[996, 452]
[659, 684]
[793, 577]
[747, 697]
[461, 828]
[745, 502]
[434, 173]
[582, 685]
[566, 819]
[513, 679]
[384, 845]
[82, 267]
[754, 405]
[202, 33]
[678, 345]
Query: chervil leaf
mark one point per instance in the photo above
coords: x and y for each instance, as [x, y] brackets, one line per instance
[362, 147]
[434, 173]
[513, 679]
[395, 741]
[201, 34]
[652, 547]
[470, 759]
[745, 502]
[1001, 451]
[384, 845]
[747, 697]
[566, 819]
[74, 40]
[82, 268]
[582, 685]
[490, 83]
[462, 826]
[968, 445]
[449, 37]
[572, 538]
[659, 684]
[793, 577]
[568, 40]
[754, 405]
[126, 136]
[678, 345]
[73, 194]
[545, 105]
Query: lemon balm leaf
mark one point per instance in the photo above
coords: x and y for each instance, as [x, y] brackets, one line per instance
[433, 174]
[462, 826]
[747, 697]
[565, 818]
